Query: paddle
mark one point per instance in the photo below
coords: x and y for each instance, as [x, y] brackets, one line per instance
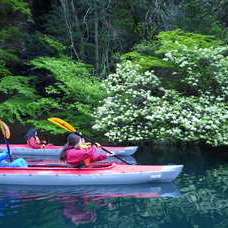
[70, 128]
[6, 135]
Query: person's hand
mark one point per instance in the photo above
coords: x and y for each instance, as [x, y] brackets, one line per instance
[42, 146]
[111, 154]
[97, 145]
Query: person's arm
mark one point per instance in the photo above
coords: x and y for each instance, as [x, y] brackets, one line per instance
[98, 157]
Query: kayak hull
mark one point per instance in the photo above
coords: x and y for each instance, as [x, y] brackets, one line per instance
[23, 149]
[114, 174]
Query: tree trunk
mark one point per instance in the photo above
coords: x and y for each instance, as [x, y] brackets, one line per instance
[96, 39]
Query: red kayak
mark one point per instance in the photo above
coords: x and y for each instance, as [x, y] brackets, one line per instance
[94, 175]
[24, 149]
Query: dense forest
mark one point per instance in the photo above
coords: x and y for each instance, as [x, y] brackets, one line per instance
[132, 70]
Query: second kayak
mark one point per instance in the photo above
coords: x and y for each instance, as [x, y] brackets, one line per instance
[24, 149]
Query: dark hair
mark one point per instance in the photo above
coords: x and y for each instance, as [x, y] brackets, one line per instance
[72, 140]
[31, 133]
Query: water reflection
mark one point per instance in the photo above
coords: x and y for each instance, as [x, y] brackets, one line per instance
[79, 204]
[201, 203]
[195, 158]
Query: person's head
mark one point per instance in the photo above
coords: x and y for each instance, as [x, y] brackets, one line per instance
[73, 140]
[32, 132]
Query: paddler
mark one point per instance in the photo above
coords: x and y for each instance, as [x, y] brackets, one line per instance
[33, 140]
[75, 156]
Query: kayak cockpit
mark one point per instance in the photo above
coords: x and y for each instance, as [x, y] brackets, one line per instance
[101, 166]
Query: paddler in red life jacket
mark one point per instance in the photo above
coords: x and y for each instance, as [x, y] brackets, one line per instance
[33, 140]
[76, 156]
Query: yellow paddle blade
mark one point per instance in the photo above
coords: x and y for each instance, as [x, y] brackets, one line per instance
[85, 146]
[5, 129]
[62, 124]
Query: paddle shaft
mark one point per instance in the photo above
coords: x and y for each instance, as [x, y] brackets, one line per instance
[8, 148]
[92, 141]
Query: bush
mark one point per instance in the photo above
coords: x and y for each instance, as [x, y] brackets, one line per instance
[139, 107]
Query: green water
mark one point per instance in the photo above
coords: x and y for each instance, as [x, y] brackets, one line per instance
[198, 198]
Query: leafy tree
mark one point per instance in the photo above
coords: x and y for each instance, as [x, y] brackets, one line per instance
[199, 17]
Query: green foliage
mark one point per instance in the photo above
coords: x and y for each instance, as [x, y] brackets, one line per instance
[4, 71]
[76, 92]
[53, 45]
[18, 5]
[21, 100]
[9, 33]
[10, 37]
[73, 78]
[201, 16]
[203, 70]
[55, 24]
[24, 110]
[72, 94]
[15, 109]
[185, 63]
[46, 126]
[145, 61]
[17, 85]
[8, 56]
[171, 40]
[139, 105]
[15, 91]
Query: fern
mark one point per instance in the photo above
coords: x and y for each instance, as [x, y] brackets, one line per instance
[9, 56]
[4, 71]
[15, 108]
[52, 44]
[74, 79]
[76, 92]
[18, 5]
[12, 85]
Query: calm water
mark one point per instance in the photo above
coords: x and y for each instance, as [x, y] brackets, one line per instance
[198, 198]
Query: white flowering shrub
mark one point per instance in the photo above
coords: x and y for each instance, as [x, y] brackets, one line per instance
[187, 119]
[185, 101]
[204, 70]
[138, 108]
[129, 91]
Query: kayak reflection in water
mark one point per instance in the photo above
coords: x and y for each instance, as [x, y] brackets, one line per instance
[80, 205]
[33, 140]
[75, 156]
[83, 209]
